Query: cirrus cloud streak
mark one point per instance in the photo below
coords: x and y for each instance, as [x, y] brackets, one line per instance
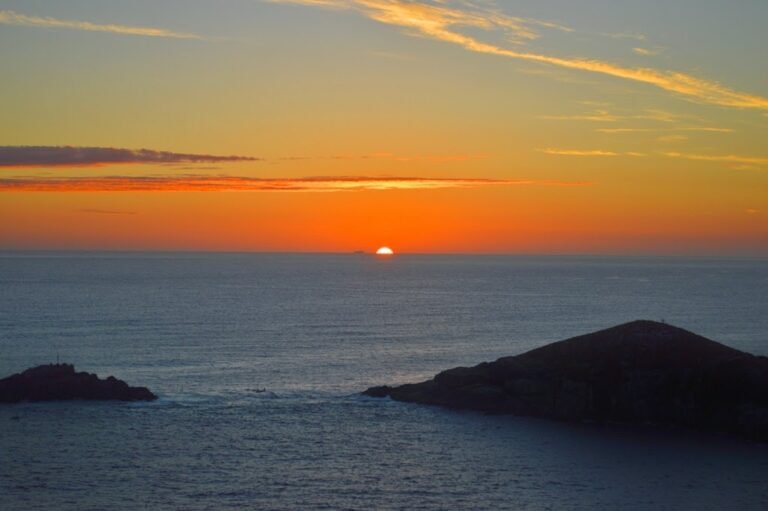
[443, 20]
[578, 152]
[727, 158]
[14, 18]
[253, 184]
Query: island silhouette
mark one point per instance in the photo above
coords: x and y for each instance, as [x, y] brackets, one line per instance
[60, 382]
[642, 372]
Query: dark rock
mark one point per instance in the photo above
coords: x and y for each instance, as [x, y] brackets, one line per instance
[641, 372]
[60, 382]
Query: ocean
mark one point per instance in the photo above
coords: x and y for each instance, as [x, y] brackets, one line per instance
[259, 361]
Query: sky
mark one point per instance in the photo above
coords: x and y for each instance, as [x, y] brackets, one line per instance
[442, 126]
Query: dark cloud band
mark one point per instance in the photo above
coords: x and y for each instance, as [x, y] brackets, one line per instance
[69, 156]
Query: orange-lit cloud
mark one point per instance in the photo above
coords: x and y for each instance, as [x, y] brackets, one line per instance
[597, 116]
[96, 211]
[68, 156]
[14, 18]
[604, 115]
[406, 158]
[671, 139]
[625, 35]
[656, 130]
[442, 22]
[747, 162]
[667, 121]
[646, 52]
[252, 184]
[422, 15]
[578, 152]
[727, 158]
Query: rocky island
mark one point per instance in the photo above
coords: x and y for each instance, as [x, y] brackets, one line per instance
[60, 382]
[643, 372]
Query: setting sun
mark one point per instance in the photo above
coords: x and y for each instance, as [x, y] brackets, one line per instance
[385, 251]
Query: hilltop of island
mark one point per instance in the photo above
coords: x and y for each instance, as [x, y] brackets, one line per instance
[642, 372]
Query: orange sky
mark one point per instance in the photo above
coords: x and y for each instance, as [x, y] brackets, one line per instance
[553, 219]
[298, 125]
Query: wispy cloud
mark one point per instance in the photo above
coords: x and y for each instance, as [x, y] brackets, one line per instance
[625, 35]
[69, 156]
[590, 153]
[726, 158]
[646, 52]
[438, 158]
[657, 115]
[429, 18]
[671, 139]
[606, 115]
[94, 211]
[703, 129]
[655, 120]
[596, 116]
[578, 152]
[252, 184]
[14, 18]
[744, 162]
[444, 20]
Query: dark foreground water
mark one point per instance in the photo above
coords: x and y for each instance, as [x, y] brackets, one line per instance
[208, 332]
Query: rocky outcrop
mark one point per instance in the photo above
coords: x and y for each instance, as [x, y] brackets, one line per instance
[60, 382]
[640, 372]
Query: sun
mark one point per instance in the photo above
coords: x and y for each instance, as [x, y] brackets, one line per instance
[385, 251]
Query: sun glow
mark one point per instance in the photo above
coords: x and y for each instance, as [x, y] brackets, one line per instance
[385, 251]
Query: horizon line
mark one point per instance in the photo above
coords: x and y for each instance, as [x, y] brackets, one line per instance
[360, 252]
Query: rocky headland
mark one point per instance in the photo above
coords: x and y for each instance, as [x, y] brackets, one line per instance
[60, 382]
[641, 372]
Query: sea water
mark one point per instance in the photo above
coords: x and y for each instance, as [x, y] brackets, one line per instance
[259, 361]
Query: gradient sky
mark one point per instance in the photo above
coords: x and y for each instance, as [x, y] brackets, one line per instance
[598, 126]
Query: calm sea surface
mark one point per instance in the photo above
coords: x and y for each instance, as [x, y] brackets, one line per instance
[208, 332]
